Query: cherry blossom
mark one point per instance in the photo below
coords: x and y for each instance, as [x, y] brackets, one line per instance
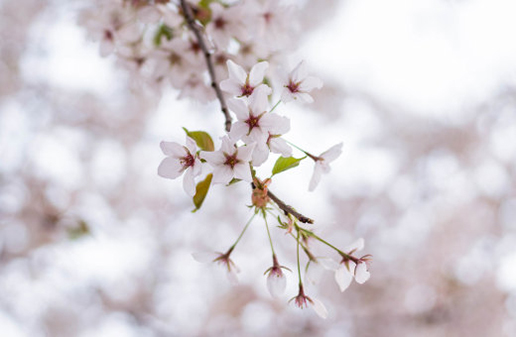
[181, 159]
[230, 162]
[225, 24]
[222, 259]
[303, 301]
[276, 280]
[299, 84]
[254, 123]
[240, 83]
[352, 267]
[322, 164]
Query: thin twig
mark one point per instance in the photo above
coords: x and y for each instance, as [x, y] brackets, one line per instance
[207, 55]
[288, 209]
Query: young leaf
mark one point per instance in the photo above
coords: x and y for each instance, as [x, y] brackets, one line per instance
[200, 192]
[163, 31]
[283, 164]
[203, 139]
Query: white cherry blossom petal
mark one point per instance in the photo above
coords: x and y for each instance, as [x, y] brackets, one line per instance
[243, 171]
[276, 283]
[343, 277]
[189, 183]
[257, 73]
[319, 308]
[316, 177]
[222, 174]
[172, 149]
[236, 72]
[279, 145]
[361, 273]
[170, 168]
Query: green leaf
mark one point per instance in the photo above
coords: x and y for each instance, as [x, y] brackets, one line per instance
[234, 181]
[283, 164]
[201, 190]
[165, 31]
[203, 139]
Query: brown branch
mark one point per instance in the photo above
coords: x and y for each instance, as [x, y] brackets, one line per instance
[288, 209]
[207, 55]
[214, 84]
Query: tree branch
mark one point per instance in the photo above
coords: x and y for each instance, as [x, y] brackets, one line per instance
[209, 62]
[288, 209]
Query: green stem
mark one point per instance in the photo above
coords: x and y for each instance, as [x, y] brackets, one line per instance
[268, 232]
[315, 158]
[274, 107]
[242, 233]
[298, 263]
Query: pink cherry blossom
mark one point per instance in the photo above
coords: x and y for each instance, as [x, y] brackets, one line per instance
[230, 162]
[351, 267]
[240, 83]
[276, 280]
[299, 84]
[322, 164]
[303, 301]
[254, 123]
[181, 159]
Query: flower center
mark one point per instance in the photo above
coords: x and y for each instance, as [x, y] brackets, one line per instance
[187, 161]
[253, 121]
[293, 87]
[231, 160]
[247, 90]
[219, 23]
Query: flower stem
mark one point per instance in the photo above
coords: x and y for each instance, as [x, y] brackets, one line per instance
[242, 233]
[315, 158]
[274, 107]
[268, 233]
[298, 263]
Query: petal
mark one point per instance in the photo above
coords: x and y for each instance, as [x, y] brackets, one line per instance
[204, 256]
[106, 47]
[231, 87]
[361, 273]
[316, 177]
[332, 153]
[191, 145]
[260, 154]
[236, 72]
[258, 101]
[215, 158]
[243, 171]
[245, 152]
[310, 83]
[189, 183]
[328, 263]
[257, 73]
[343, 278]
[172, 149]
[197, 167]
[149, 14]
[240, 109]
[314, 272]
[274, 123]
[279, 145]
[299, 73]
[287, 96]
[303, 97]
[319, 308]
[276, 283]
[222, 174]
[170, 168]
[238, 130]
[227, 146]
[355, 246]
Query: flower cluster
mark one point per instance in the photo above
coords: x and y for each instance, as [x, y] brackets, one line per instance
[152, 38]
[192, 45]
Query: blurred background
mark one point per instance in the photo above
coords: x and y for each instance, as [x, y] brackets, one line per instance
[94, 243]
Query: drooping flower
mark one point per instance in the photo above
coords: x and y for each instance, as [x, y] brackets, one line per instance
[352, 267]
[240, 83]
[222, 259]
[298, 85]
[276, 280]
[230, 162]
[181, 159]
[322, 164]
[303, 301]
